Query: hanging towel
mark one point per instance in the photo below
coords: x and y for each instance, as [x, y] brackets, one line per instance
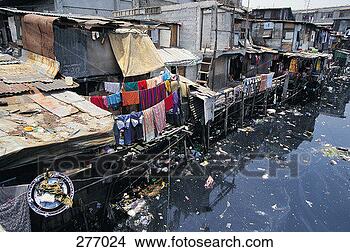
[105, 101]
[98, 101]
[142, 84]
[159, 117]
[131, 98]
[151, 83]
[148, 125]
[112, 87]
[114, 101]
[131, 86]
[169, 103]
[160, 93]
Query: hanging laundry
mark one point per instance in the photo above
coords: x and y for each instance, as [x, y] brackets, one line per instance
[147, 98]
[169, 103]
[131, 86]
[112, 87]
[114, 101]
[269, 80]
[318, 65]
[98, 101]
[159, 79]
[151, 83]
[122, 130]
[159, 117]
[293, 67]
[263, 83]
[105, 101]
[142, 84]
[148, 125]
[131, 98]
[168, 86]
[166, 75]
[136, 123]
[176, 103]
[160, 93]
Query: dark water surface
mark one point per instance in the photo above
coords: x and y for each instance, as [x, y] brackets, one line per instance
[309, 192]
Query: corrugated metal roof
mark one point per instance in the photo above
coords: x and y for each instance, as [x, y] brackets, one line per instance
[55, 85]
[178, 57]
[6, 89]
[21, 73]
[7, 59]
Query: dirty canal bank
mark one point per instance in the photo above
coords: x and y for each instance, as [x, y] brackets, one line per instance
[282, 174]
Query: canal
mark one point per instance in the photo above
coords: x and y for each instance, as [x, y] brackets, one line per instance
[285, 172]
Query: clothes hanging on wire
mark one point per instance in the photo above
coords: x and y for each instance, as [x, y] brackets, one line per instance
[269, 80]
[98, 101]
[131, 98]
[142, 85]
[166, 75]
[131, 86]
[159, 117]
[136, 123]
[122, 130]
[293, 67]
[169, 103]
[263, 83]
[148, 125]
[114, 101]
[112, 87]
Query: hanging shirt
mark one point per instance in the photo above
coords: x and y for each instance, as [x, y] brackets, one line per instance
[98, 101]
[142, 84]
[148, 125]
[159, 117]
[114, 101]
[112, 87]
[169, 103]
[293, 67]
[176, 102]
[136, 123]
[131, 98]
[122, 130]
[166, 75]
[168, 86]
[131, 86]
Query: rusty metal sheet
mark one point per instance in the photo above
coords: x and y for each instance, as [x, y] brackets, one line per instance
[37, 34]
[49, 103]
[6, 89]
[55, 85]
[21, 73]
[44, 65]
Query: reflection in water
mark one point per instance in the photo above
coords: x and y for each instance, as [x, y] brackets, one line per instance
[274, 178]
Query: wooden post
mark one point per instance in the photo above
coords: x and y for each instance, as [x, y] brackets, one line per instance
[242, 108]
[254, 97]
[266, 100]
[226, 113]
[208, 135]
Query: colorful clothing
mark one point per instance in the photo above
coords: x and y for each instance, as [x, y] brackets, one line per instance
[151, 83]
[159, 117]
[166, 75]
[112, 87]
[98, 101]
[142, 84]
[169, 103]
[168, 86]
[293, 67]
[136, 123]
[263, 83]
[122, 130]
[131, 98]
[131, 86]
[160, 93]
[148, 125]
[114, 101]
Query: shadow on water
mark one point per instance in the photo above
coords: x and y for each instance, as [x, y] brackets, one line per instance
[273, 177]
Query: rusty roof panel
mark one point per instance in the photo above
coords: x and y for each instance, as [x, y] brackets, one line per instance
[6, 89]
[55, 85]
[21, 73]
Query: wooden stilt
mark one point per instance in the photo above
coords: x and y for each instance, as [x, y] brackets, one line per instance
[242, 109]
[226, 113]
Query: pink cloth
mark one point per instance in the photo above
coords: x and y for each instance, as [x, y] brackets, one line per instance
[159, 117]
[148, 125]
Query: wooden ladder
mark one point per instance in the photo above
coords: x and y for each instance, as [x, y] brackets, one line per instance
[204, 70]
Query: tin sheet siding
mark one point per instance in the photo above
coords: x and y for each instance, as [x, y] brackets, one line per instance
[80, 56]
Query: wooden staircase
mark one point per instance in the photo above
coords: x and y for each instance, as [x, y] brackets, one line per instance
[204, 70]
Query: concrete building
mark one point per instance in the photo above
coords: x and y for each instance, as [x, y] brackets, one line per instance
[208, 29]
[342, 26]
[323, 16]
[273, 13]
[289, 36]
